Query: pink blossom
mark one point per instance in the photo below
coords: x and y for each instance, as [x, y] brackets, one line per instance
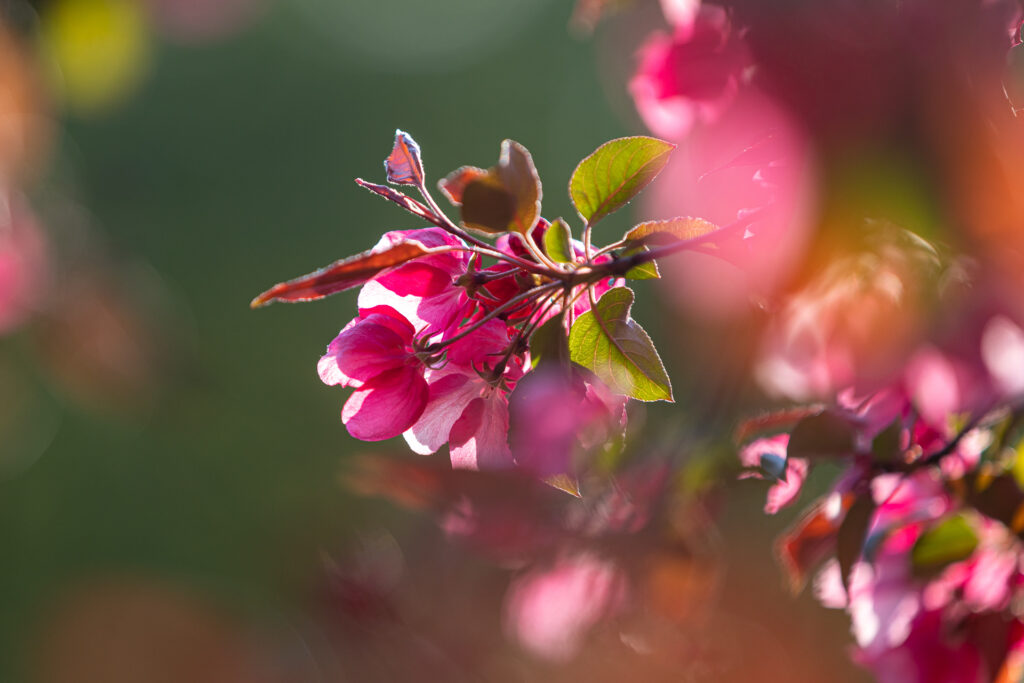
[556, 416]
[926, 655]
[374, 353]
[689, 76]
[767, 459]
[423, 291]
[467, 407]
[550, 611]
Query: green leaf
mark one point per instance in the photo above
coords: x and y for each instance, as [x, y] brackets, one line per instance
[951, 540]
[606, 341]
[852, 533]
[615, 173]
[507, 197]
[643, 271]
[885, 447]
[558, 242]
[549, 344]
[671, 230]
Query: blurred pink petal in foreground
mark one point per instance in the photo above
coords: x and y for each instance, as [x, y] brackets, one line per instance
[691, 75]
[550, 611]
[750, 170]
[22, 264]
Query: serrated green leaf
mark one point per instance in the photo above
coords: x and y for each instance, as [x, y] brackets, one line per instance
[615, 173]
[609, 343]
[644, 271]
[951, 540]
[558, 242]
[671, 230]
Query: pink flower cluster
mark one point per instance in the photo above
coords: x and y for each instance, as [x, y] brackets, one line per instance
[920, 533]
[429, 360]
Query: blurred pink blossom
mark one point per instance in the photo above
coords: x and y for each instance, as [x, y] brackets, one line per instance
[550, 611]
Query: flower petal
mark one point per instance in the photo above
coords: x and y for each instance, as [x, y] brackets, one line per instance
[450, 393]
[479, 438]
[386, 405]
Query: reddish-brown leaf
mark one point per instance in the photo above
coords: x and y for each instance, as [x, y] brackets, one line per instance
[504, 198]
[344, 274]
[519, 176]
[403, 165]
[810, 540]
[453, 186]
[671, 230]
[487, 206]
[408, 203]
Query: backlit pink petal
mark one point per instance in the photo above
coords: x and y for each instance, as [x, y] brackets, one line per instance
[550, 611]
[484, 345]
[768, 453]
[450, 393]
[370, 347]
[453, 262]
[1002, 349]
[988, 586]
[689, 76]
[546, 413]
[386, 405]
[785, 492]
[479, 438]
[422, 294]
[680, 13]
[932, 382]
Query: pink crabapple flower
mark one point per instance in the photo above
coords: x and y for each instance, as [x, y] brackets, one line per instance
[423, 291]
[550, 611]
[374, 354]
[467, 407]
[766, 459]
[555, 416]
[689, 76]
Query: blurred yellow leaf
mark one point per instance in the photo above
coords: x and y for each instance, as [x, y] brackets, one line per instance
[99, 50]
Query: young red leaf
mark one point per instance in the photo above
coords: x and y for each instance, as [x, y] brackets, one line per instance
[344, 274]
[408, 203]
[454, 184]
[403, 165]
[615, 173]
[671, 230]
[811, 539]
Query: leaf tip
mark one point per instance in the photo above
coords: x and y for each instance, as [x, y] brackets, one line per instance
[262, 300]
